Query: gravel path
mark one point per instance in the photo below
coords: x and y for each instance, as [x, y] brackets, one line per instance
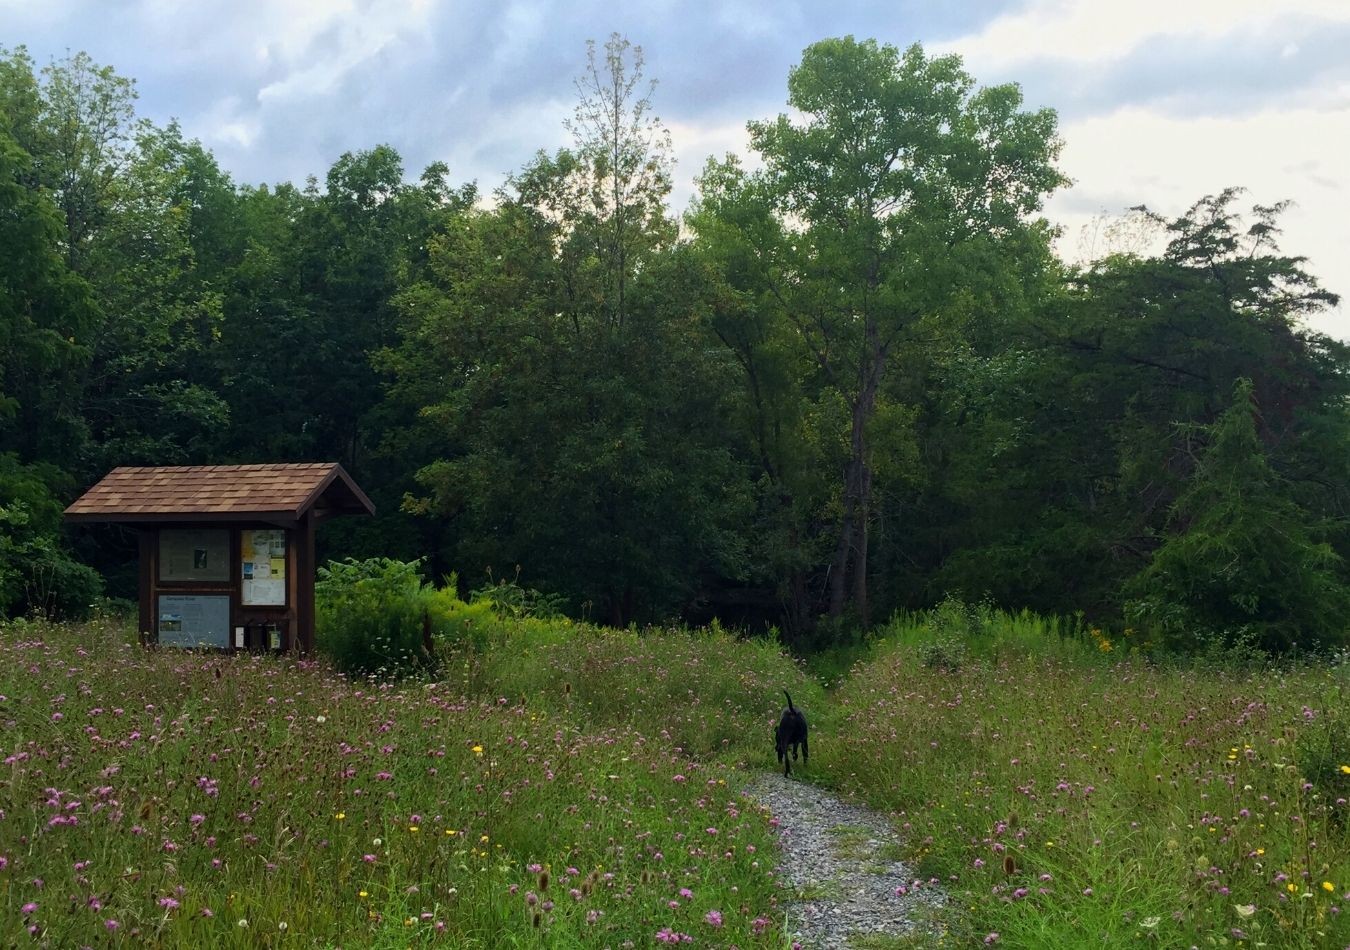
[839, 862]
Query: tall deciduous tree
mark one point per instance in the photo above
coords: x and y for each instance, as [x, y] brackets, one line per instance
[623, 169]
[557, 347]
[44, 318]
[897, 186]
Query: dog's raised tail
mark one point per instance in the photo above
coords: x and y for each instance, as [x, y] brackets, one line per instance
[789, 697]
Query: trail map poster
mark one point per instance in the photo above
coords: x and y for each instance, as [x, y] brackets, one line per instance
[263, 557]
[193, 620]
[194, 554]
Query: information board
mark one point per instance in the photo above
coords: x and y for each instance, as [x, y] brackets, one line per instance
[193, 620]
[263, 568]
[194, 554]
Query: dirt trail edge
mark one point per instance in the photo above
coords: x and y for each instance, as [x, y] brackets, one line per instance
[839, 863]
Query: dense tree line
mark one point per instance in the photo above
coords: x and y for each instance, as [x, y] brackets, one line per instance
[852, 380]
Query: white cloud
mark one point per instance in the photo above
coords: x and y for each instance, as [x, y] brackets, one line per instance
[226, 123]
[1091, 31]
[694, 143]
[1136, 154]
[1137, 157]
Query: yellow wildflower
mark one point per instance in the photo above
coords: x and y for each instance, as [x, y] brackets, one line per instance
[1328, 886]
[478, 750]
[340, 815]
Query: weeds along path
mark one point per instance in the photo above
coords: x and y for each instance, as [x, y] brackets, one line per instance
[840, 863]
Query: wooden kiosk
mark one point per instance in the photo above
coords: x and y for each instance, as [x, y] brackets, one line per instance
[226, 551]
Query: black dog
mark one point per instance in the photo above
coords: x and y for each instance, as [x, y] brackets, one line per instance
[790, 734]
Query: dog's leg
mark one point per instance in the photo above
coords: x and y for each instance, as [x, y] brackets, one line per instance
[806, 750]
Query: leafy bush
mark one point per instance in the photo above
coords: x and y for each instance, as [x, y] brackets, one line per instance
[509, 598]
[54, 585]
[372, 616]
[943, 652]
[375, 617]
[36, 575]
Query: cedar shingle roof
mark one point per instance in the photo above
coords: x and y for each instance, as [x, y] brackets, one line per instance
[220, 493]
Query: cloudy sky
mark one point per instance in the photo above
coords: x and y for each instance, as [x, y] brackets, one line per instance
[1160, 101]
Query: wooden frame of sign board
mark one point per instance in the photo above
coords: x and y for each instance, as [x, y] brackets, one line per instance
[195, 524]
[291, 613]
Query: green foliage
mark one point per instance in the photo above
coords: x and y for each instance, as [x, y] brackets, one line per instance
[506, 597]
[1243, 558]
[371, 615]
[45, 317]
[895, 199]
[375, 617]
[555, 365]
[858, 381]
[37, 576]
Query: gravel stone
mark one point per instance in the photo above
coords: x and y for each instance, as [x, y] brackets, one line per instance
[832, 862]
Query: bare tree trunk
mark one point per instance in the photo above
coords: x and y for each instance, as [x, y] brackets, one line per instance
[852, 547]
[860, 533]
[839, 567]
[798, 613]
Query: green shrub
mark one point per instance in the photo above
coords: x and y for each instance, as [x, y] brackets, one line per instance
[508, 598]
[943, 652]
[53, 585]
[37, 575]
[372, 616]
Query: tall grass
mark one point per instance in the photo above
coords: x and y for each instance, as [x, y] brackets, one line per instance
[564, 785]
[1070, 795]
[174, 799]
[704, 692]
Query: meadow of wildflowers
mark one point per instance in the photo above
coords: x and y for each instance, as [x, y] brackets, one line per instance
[563, 785]
[1071, 796]
[170, 798]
